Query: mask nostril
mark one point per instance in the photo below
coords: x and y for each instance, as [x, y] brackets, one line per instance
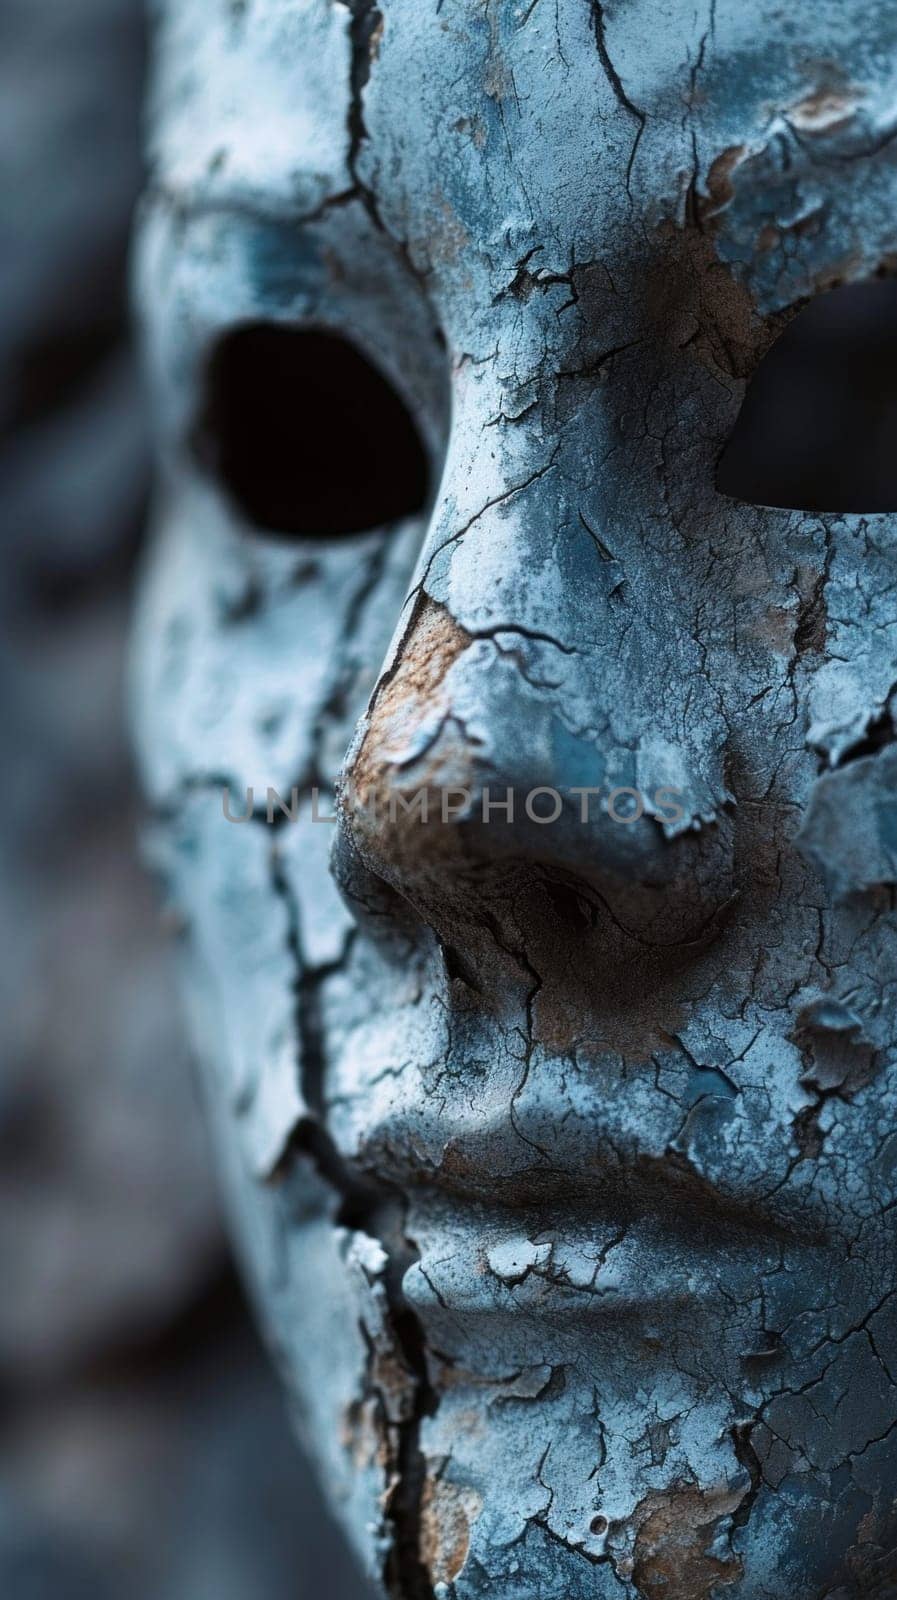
[307, 436]
[570, 905]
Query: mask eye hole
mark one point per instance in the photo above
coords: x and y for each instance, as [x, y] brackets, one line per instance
[307, 437]
[818, 426]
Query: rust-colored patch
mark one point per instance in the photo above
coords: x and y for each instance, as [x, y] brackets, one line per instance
[474, 127]
[394, 1384]
[364, 1435]
[720, 187]
[434, 643]
[675, 1528]
[774, 627]
[825, 110]
[811, 623]
[633, 1031]
[498, 80]
[696, 304]
[446, 1513]
[447, 238]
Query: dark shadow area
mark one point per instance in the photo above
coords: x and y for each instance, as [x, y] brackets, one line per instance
[818, 427]
[307, 436]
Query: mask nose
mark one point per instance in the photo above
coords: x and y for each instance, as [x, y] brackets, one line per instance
[465, 778]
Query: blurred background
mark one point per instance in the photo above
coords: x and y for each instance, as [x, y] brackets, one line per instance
[144, 1448]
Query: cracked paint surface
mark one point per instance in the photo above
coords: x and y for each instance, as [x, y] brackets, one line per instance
[563, 1161]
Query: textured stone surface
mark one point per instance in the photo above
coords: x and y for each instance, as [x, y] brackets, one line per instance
[563, 1167]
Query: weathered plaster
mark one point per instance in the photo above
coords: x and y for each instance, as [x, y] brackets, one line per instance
[563, 1159]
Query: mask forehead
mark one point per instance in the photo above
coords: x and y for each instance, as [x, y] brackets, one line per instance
[250, 103]
[584, 129]
[576, 130]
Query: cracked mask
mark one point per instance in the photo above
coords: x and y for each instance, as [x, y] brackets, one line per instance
[560, 1148]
